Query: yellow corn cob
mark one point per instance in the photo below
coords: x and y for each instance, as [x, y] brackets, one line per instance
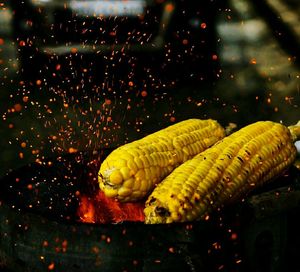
[131, 171]
[223, 173]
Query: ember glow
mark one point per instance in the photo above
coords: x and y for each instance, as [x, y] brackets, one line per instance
[103, 210]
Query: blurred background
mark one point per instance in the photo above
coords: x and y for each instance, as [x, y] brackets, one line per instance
[85, 75]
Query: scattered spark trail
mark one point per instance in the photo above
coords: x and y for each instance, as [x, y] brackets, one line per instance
[93, 81]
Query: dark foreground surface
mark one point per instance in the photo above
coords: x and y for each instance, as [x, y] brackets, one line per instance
[40, 227]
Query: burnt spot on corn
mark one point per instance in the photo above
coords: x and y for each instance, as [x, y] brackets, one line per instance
[106, 182]
[152, 200]
[196, 199]
[227, 179]
[240, 159]
[100, 175]
[161, 211]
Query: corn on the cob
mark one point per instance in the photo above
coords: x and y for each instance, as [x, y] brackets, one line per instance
[131, 171]
[223, 173]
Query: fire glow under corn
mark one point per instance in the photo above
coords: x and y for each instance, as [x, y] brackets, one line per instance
[131, 172]
[223, 173]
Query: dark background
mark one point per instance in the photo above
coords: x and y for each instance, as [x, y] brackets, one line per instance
[248, 70]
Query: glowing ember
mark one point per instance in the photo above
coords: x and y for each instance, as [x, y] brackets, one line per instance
[104, 210]
[86, 210]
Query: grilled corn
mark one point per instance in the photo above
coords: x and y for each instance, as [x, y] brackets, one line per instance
[223, 173]
[131, 171]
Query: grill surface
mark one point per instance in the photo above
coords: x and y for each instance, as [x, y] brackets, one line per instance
[39, 227]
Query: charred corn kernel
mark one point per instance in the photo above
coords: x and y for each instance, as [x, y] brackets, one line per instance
[148, 160]
[223, 173]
